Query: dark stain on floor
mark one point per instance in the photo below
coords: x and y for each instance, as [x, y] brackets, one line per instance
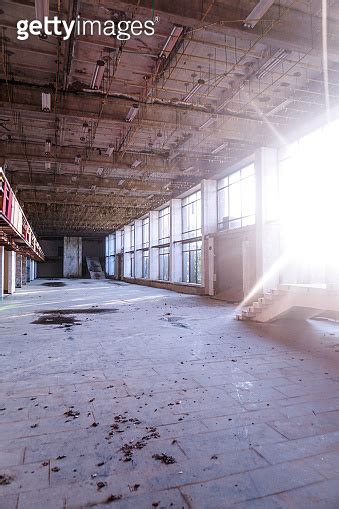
[55, 319]
[79, 311]
[56, 284]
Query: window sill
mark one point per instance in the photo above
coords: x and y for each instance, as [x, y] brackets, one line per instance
[177, 283]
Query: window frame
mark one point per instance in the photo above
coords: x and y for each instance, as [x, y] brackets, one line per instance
[224, 187]
[191, 201]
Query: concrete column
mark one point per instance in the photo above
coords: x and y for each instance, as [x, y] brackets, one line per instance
[2, 271]
[72, 257]
[267, 223]
[119, 248]
[209, 223]
[24, 270]
[175, 246]
[18, 271]
[28, 269]
[153, 241]
[10, 270]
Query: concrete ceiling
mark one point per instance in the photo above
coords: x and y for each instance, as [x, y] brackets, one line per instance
[174, 151]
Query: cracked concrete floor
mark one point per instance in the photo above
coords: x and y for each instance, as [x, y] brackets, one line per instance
[158, 399]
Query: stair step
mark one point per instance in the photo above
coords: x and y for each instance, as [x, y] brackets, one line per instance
[246, 313]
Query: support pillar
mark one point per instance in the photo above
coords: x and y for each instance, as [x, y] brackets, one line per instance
[209, 227]
[72, 257]
[10, 270]
[2, 271]
[267, 223]
[24, 270]
[18, 271]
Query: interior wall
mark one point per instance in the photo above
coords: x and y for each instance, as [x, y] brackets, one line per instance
[53, 249]
[235, 259]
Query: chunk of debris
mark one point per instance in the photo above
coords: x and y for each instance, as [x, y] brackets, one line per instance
[112, 498]
[72, 413]
[135, 487]
[164, 458]
[5, 479]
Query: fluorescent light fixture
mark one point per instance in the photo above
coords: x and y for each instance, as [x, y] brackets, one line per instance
[208, 122]
[121, 182]
[84, 131]
[47, 165]
[46, 101]
[218, 149]
[136, 163]
[272, 63]
[188, 169]
[47, 147]
[173, 156]
[98, 74]
[150, 196]
[132, 113]
[258, 13]
[171, 41]
[279, 107]
[194, 90]
[42, 12]
[110, 150]
[77, 159]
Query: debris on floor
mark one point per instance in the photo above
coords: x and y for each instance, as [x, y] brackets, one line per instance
[164, 458]
[5, 479]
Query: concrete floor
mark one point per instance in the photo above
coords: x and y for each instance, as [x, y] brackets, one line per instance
[165, 402]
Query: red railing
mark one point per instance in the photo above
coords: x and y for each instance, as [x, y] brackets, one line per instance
[14, 223]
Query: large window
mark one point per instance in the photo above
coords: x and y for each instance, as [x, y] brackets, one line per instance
[145, 248]
[129, 251]
[110, 254]
[164, 225]
[145, 232]
[131, 238]
[164, 239]
[236, 199]
[191, 262]
[145, 264]
[164, 263]
[191, 216]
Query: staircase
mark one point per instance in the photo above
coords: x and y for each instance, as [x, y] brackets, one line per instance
[309, 299]
[94, 268]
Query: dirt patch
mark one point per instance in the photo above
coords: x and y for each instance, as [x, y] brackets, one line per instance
[55, 284]
[55, 319]
[5, 479]
[79, 311]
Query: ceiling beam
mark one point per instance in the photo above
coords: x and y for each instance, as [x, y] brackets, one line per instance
[227, 17]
